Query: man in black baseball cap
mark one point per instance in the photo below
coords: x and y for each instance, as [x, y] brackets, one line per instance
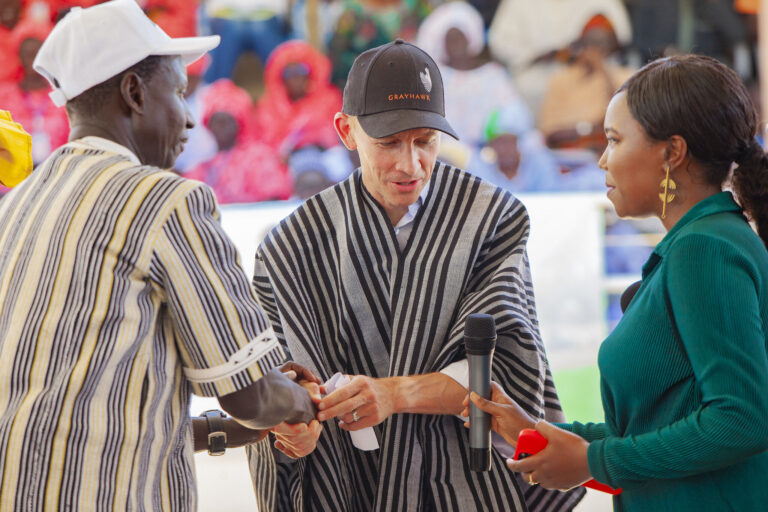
[396, 87]
[374, 278]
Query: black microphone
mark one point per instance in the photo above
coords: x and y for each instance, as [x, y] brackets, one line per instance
[628, 294]
[480, 341]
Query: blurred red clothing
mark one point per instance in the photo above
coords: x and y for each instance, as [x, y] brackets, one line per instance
[247, 173]
[10, 66]
[42, 11]
[178, 18]
[27, 97]
[289, 125]
[224, 96]
[250, 171]
[65, 4]
[11, 69]
[59, 7]
[35, 111]
[29, 28]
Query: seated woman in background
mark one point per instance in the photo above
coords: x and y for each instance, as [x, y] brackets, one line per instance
[28, 100]
[572, 110]
[514, 156]
[684, 374]
[295, 114]
[245, 169]
[497, 140]
[299, 101]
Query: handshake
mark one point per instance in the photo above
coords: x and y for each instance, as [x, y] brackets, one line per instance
[297, 435]
[358, 402]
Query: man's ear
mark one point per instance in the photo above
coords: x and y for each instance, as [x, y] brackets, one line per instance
[676, 153]
[343, 127]
[132, 91]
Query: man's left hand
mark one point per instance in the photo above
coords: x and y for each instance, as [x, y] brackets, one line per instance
[373, 401]
[297, 440]
[562, 464]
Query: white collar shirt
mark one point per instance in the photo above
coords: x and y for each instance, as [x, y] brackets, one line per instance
[405, 226]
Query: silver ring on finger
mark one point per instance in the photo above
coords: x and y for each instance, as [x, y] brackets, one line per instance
[355, 416]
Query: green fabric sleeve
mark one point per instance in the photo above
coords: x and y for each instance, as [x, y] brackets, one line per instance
[588, 431]
[712, 296]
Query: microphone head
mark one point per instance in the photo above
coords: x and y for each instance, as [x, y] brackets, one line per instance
[628, 294]
[480, 334]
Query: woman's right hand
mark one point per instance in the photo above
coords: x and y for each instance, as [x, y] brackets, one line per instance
[507, 418]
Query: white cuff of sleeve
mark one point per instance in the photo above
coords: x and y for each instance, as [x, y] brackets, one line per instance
[458, 371]
[240, 360]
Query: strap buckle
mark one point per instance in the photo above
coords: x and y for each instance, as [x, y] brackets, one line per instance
[217, 437]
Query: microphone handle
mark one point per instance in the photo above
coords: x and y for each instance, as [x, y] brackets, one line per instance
[479, 421]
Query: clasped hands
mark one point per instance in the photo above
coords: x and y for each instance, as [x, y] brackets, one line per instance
[561, 465]
[364, 402]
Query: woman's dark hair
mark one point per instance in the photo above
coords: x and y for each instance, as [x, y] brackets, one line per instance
[705, 102]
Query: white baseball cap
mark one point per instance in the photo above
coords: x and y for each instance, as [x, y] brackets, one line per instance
[89, 46]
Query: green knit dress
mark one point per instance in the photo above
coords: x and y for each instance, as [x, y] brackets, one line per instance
[684, 375]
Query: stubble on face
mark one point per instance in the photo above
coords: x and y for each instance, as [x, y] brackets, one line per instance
[396, 169]
[163, 130]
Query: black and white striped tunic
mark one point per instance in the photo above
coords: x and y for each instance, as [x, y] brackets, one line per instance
[119, 295]
[343, 296]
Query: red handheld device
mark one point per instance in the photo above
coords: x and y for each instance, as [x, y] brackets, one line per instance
[530, 442]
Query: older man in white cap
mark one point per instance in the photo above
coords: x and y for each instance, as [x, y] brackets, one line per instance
[119, 292]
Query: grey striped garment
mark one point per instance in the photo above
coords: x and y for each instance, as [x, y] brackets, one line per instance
[116, 281]
[343, 296]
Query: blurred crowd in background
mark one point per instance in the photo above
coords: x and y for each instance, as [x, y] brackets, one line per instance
[526, 82]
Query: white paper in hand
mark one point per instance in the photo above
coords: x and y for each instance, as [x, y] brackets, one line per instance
[364, 439]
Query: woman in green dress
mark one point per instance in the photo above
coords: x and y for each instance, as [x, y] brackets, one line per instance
[684, 375]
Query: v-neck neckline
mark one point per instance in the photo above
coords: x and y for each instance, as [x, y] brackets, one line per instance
[426, 202]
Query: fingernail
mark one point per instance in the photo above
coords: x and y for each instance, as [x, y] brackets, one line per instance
[321, 417]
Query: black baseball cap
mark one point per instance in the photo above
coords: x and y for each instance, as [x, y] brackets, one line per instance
[396, 87]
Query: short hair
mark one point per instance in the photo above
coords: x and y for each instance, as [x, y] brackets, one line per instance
[89, 102]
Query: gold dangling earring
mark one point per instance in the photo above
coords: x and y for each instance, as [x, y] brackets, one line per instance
[667, 197]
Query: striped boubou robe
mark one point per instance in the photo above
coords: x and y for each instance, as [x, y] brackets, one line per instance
[344, 297]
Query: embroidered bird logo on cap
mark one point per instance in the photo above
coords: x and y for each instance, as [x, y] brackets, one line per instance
[426, 79]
